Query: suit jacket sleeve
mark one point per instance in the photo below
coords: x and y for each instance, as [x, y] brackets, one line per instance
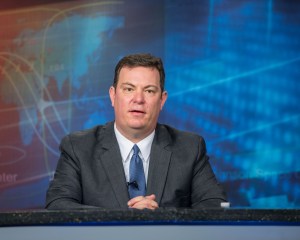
[206, 191]
[65, 190]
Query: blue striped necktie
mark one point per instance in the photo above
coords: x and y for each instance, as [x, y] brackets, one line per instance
[137, 182]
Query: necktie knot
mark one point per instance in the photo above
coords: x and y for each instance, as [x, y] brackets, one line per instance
[136, 149]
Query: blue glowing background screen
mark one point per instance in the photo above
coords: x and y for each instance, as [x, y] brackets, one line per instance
[232, 75]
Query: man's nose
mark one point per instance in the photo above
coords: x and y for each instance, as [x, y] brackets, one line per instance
[139, 96]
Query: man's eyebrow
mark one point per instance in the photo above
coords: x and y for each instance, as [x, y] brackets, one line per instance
[132, 85]
[126, 83]
[151, 86]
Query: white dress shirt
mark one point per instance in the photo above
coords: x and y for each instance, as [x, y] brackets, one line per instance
[126, 150]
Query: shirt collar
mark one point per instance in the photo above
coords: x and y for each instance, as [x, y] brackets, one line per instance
[126, 145]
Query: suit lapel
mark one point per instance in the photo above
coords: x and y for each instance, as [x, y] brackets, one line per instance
[159, 163]
[108, 153]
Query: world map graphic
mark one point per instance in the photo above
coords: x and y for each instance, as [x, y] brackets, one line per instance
[45, 78]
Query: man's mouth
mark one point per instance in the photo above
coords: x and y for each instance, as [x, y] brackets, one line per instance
[137, 111]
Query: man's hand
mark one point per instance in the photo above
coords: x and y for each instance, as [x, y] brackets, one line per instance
[142, 202]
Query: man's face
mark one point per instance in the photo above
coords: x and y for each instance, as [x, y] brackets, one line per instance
[137, 101]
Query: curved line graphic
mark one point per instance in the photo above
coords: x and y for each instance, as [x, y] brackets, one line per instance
[34, 96]
[15, 160]
[26, 112]
[34, 9]
[39, 77]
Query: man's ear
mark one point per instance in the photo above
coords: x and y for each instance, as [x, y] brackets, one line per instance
[112, 93]
[164, 97]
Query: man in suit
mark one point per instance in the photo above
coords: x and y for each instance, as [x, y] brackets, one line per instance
[134, 162]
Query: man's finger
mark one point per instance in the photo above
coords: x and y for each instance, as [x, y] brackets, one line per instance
[145, 203]
[151, 197]
[135, 200]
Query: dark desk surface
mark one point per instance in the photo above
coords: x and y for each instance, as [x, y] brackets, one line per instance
[148, 217]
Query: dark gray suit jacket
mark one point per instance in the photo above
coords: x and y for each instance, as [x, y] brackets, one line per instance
[90, 171]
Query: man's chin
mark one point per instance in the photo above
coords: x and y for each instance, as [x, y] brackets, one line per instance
[137, 126]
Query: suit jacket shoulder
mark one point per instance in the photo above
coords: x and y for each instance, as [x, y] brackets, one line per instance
[180, 139]
[84, 139]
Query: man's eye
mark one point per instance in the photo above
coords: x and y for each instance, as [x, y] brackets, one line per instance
[128, 89]
[150, 91]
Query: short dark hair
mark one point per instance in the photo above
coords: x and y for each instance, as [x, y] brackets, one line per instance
[141, 60]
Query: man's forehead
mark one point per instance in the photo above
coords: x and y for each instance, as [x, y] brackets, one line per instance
[137, 71]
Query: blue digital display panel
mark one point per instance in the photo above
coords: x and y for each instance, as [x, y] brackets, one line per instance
[232, 75]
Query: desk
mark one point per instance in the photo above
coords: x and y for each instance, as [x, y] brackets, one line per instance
[164, 224]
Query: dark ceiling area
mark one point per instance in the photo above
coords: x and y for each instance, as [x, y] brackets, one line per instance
[13, 4]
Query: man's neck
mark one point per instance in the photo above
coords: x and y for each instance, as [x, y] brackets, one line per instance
[135, 135]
